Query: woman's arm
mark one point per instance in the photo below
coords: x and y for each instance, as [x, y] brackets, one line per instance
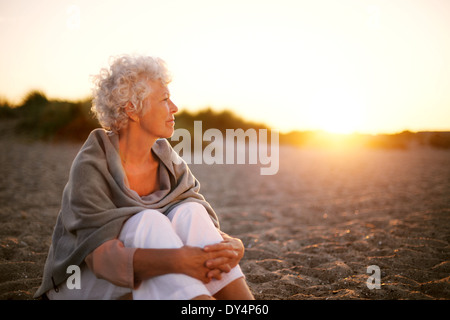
[112, 261]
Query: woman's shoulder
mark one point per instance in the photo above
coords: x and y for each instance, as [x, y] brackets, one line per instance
[98, 137]
[93, 148]
[99, 133]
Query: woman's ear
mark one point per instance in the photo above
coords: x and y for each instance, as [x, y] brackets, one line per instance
[131, 112]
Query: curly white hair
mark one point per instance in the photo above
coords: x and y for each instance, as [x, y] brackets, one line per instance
[125, 81]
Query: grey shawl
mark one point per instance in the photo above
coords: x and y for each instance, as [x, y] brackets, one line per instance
[96, 201]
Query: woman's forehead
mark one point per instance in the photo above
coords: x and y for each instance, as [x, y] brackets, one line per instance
[158, 87]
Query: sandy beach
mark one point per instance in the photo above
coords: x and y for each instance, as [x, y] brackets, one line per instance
[310, 231]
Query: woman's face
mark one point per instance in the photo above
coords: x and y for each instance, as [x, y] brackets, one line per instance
[158, 117]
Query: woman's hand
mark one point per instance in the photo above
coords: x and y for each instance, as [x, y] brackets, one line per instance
[230, 250]
[195, 262]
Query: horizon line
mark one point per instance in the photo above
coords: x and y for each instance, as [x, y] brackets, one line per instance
[5, 101]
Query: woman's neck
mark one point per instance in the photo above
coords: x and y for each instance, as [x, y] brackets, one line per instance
[135, 149]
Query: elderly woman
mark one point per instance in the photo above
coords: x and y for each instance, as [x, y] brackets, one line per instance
[132, 217]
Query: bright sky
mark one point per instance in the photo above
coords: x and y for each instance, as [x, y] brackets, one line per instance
[342, 66]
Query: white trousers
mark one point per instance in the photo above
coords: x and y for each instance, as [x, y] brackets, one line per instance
[187, 224]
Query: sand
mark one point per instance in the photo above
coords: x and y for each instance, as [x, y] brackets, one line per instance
[310, 232]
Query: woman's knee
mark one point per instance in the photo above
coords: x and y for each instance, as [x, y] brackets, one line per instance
[149, 229]
[189, 211]
[193, 224]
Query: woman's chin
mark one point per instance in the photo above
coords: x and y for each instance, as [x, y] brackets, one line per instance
[169, 134]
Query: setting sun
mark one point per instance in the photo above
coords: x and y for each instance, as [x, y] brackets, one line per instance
[336, 111]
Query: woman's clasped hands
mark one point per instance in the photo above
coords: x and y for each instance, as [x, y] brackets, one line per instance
[211, 261]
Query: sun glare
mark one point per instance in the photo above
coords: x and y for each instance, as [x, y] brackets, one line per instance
[336, 111]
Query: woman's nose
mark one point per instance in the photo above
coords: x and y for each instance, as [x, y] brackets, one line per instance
[173, 107]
